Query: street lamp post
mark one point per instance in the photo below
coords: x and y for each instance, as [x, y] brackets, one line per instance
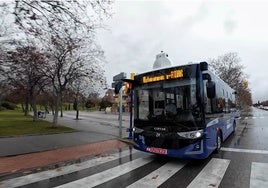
[118, 90]
[120, 112]
[130, 136]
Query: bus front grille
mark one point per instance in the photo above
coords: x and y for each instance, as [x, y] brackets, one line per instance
[167, 143]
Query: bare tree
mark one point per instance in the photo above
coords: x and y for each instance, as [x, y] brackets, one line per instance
[38, 16]
[69, 62]
[65, 30]
[24, 71]
[79, 89]
[230, 70]
[245, 97]
[4, 33]
[8, 29]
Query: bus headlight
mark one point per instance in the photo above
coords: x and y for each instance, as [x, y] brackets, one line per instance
[191, 134]
[137, 130]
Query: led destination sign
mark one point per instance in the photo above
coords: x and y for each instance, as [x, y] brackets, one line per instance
[171, 75]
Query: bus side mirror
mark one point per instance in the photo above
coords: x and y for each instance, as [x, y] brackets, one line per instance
[211, 90]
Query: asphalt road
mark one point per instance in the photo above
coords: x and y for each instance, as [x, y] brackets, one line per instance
[247, 148]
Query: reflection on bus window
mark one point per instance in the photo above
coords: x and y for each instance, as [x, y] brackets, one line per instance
[168, 103]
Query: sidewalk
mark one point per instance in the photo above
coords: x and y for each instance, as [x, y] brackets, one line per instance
[39, 161]
[97, 133]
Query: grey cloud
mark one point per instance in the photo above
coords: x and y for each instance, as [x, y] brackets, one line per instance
[229, 26]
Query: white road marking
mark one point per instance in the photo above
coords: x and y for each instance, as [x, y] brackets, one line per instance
[109, 174]
[259, 176]
[211, 175]
[159, 176]
[32, 178]
[254, 117]
[245, 150]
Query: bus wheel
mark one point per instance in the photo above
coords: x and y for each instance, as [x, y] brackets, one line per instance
[218, 142]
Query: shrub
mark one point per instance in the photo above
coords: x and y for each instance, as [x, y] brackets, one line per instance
[8, 105]
[104, 103]
[90, 104]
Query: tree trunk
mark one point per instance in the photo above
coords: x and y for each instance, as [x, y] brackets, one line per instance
[51, 107]
[56, 114]
[26, 107]
[22, 107]
[61, 112]
[34, 112]
[77, 114]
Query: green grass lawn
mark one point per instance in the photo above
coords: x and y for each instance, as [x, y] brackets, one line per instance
[14, 123]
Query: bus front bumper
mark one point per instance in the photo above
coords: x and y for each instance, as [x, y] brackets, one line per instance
[196, 150]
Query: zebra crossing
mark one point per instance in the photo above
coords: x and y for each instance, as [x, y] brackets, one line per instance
[259, 176]
[212, 174]
[254, 117]
[131, 168]
[159, 176]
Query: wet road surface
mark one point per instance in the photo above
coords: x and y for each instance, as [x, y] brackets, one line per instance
[242, 162]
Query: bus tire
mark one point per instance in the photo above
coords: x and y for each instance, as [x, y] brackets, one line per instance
[218, 142]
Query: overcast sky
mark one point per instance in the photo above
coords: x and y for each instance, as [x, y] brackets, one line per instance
[189, 31]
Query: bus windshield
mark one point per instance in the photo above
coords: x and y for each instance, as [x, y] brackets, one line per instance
[169, 102]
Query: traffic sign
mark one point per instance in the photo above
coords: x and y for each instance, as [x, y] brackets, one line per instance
[120, 76]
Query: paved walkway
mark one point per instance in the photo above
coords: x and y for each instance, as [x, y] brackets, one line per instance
[97, 133]
[38, 161]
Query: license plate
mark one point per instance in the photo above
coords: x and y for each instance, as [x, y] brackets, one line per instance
[157, 150]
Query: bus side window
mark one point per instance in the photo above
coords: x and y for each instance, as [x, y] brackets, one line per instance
[211, 89]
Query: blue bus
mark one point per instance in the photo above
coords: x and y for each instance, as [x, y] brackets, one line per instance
[182, 111]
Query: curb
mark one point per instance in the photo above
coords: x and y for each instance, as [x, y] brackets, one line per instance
[127, 140]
